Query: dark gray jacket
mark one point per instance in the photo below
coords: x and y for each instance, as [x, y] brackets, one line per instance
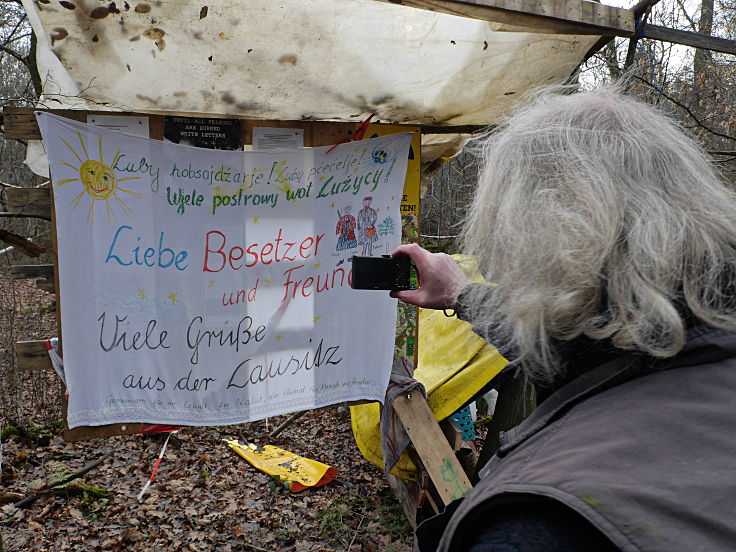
[645, 451]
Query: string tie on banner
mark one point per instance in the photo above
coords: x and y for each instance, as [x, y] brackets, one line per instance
[357, 135]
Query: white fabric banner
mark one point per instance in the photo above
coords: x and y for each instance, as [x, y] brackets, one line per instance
[204, 287]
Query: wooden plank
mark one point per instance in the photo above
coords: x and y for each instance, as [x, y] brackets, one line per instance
[435, 452]
[453, 435]
[85, 433]
[35, 201]
[46, 285]
[316, 133]
[155, 126]
[565, 17]
[326, 134]
[21, 243]
[20, 122]
[689, 38]
[601, 14]
[32, 355]
[22, 272]
[407, 495]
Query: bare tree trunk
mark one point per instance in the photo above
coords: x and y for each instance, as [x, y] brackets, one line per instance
[610, 55]
[702, 59]
[32, 66]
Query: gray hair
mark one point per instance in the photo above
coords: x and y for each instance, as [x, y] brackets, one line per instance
[595, 215]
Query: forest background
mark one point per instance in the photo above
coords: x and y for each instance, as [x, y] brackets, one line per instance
[204, 497]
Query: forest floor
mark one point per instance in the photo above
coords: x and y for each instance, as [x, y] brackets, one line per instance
[204, 497]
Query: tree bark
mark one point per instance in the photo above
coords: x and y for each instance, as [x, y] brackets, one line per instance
[30, 62]
[702, 58]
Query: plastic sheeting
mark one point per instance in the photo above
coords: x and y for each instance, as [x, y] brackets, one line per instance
[292, 59]
[453, 364]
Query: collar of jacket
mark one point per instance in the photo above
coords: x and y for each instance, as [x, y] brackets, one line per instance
[704, 344]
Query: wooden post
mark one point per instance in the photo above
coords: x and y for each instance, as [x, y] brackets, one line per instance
[438, 458]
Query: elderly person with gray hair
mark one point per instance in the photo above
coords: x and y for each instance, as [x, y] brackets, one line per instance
[610, 240]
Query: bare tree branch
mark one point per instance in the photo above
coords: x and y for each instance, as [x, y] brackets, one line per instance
[24, 215]
[14, 54]
[17, 25]
[692, 115]
[18, 38]
[45, 489]
[693, 27]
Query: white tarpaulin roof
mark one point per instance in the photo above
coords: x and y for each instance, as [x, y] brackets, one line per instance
[291, 59]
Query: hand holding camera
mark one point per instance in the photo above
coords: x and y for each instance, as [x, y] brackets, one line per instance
[440, 278]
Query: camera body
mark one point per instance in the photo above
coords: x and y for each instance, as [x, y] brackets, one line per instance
[384, 272]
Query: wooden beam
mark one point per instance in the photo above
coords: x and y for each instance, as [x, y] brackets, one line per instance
[45, 274]
[22, 272]
[435, 452]
[49, 286]
[580, 17]
[689, 38]
[407, 494]
[453, 435]
[35, 201]
[32, 355]
[20, 123]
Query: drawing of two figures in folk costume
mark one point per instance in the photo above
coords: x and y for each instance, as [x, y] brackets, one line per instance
[352, 232]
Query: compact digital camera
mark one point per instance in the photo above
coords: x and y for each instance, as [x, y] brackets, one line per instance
[384, 272]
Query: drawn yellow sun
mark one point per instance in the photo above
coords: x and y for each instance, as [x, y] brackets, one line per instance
[98, 181]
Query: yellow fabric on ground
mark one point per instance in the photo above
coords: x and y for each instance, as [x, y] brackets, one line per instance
[295, 472]
[453, 365]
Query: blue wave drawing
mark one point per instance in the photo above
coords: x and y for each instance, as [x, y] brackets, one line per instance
[161, 309]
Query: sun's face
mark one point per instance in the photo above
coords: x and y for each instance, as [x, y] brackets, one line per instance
[98, 180]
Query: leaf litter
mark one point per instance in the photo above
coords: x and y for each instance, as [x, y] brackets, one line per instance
[204, 497]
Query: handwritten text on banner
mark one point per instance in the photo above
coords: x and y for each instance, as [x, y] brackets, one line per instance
[208, 287]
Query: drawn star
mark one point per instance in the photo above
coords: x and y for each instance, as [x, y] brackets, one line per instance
[321, 178]
[317, 265]
[142, 294]
[218, 189]
[278, 337]
[393, 197]
[211, 283]
[267, 283]
[255, 220]
[174, 298]
[317, 319]
[332, 204]
[355, 169]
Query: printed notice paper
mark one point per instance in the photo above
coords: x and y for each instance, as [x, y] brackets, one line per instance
[209, 287]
